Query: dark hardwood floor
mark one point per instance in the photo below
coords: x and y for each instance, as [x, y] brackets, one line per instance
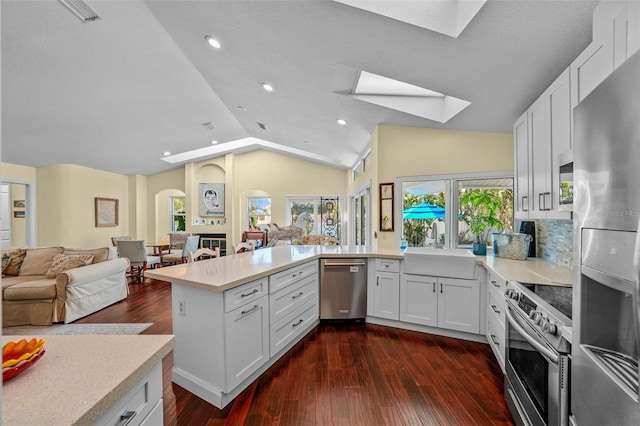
[340, 374]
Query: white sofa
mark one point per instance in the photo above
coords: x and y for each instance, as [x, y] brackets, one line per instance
[37, 290]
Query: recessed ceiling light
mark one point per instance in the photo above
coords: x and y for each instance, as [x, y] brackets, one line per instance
[341, 121]
[166, 153]
[268, 87]
[307, 142]
[214, 142]
[213, 42]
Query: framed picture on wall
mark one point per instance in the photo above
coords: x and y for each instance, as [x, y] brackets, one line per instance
[386, 207]
[106, 211]
[211, 199]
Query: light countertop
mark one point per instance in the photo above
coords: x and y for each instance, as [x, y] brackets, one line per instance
[226, 272]
[79, 377]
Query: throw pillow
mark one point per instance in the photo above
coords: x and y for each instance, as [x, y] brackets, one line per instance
[12, 264]
[99, 254]
[64, 262]
[38, 260]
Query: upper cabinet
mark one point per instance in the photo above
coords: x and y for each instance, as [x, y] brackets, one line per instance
[544, 131]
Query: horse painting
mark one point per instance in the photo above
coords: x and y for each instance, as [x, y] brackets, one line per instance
[291, 232]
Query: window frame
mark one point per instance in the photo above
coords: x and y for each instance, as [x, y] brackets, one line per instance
[173, 214]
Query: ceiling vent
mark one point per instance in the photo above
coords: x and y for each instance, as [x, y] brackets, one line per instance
[81, 9]
[208, 125]
[262, 126]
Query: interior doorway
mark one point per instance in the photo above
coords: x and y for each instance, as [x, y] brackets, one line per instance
[17, 213]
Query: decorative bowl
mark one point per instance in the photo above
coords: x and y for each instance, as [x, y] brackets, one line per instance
[18, 356]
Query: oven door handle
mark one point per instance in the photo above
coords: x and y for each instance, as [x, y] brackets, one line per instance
[553, 357]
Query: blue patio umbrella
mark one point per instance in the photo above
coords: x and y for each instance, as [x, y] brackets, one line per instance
[423, 211]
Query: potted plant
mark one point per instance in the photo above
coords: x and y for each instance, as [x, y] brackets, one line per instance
[481, 206]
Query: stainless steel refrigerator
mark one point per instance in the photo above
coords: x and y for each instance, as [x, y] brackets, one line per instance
[606, 314]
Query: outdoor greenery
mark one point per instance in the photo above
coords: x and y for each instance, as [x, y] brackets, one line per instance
[415, 231]
[486, 211]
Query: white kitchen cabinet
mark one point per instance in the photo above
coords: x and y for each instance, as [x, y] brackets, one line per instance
[522, 200]
[449, 303]
[496, 316]
[419, 299]
[384, 289]
[540, 161]
[140, 405]
[246, 342]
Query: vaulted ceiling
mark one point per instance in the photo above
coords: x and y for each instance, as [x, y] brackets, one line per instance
[116, 93]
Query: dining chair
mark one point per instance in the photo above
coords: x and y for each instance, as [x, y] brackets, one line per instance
[114, 240]
[203, 253]
[139, 260]
[244, 246]
[190, 245]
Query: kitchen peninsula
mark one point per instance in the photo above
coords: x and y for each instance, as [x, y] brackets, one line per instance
[235, 316]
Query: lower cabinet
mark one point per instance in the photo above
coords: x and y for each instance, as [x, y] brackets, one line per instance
[496, 315]
[449, 303]
[386, 289]
[246, 340]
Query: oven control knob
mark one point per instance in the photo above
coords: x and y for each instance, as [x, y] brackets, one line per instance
[535, 316]
[512, 294]
[550, 328]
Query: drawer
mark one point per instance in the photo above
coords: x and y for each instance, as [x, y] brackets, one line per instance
[239, 296]
[155, 417]
[496, 283]
[138, 402]
[287, 300]
[285, 278]
[286, 330]
[495, 336]
[496, 307]
[388, 265]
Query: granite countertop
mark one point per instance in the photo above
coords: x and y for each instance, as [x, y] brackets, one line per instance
[227, 272]
[79, 377]
[533, 270]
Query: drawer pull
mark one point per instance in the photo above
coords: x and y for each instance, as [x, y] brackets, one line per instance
[126, 417]
[254, 291]
[300, 321]
[495, 284]
[495, 341]
[495, 309]
[297, 295]
[250, 310]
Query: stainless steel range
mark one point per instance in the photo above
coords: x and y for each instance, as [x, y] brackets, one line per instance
[537, 353]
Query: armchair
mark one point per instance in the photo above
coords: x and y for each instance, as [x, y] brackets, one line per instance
[190, 245]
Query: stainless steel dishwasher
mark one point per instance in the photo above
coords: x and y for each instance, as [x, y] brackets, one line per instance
[343, 288]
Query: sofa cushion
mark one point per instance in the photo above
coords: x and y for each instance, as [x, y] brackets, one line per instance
[64, 262]
[39, 260]
[11, 264]
[32, 290]
[99, 254]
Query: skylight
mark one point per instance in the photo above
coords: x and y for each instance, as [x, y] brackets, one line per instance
[405, 97]
[449, 17]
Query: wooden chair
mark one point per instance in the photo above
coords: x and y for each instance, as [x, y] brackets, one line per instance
[259, 237]
[203, 253]
[139, 260]
[244, 246]
[190, 245]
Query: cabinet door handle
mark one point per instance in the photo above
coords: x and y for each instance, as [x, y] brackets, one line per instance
[255, 290]
[300, 321]
[495, 341]
[541, 201]
[545, 201]
[495, 284]
[250, 310]
[297, 295]
[434, 286]
[525, 197]
[440, 287]
[377, 280]
[126, 417]
[494, 308]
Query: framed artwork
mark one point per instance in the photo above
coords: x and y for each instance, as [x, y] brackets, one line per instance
[19, 204]
[106, 211]
[211, 199]
[386, 207]
[19, 214]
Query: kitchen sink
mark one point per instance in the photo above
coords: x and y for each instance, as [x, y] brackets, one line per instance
[454, 263]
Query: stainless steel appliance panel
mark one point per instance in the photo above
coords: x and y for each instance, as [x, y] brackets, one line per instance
[343, 288]
[604, 363]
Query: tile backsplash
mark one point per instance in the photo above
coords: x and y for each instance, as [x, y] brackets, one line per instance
[554, 241]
